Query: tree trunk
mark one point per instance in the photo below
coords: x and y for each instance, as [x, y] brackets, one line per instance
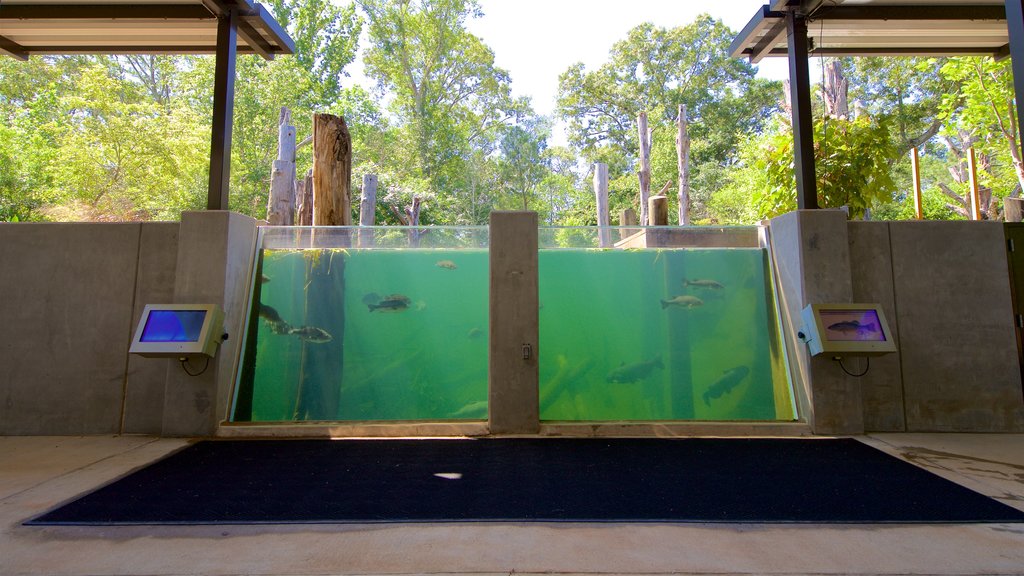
[683, 164]
[601, 194]
[304, 192]
[281, 204]
[332, 171]
[835, 93]
[645, 165]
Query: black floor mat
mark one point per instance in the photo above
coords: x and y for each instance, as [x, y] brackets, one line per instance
[543, 479]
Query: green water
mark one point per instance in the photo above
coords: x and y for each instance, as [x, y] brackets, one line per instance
[424, 361]
[610, 349]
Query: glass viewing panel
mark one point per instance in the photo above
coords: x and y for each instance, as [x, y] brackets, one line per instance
[662, 324]
[365, 324]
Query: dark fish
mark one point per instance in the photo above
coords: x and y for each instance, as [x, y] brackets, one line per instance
[474, 333]
[853, 326]
[392, 303]
[270, 314]
[371, 298]
[626, 374]
[726, 383]
[703, 284]
[264, 278]
[311, 334]
[684, 301]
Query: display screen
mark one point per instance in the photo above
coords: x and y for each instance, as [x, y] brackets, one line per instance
[852, 325]
[173, 326]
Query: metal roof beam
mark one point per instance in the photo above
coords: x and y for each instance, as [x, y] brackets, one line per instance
[13, 49]
[769, 40]
[916, 12]
[104, 12]
[924, 52]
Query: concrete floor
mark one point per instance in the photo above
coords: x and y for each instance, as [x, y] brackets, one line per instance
[37, 473]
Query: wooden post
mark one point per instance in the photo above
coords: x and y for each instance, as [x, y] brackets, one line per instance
[658, 210]
[281, 203]
[304, 200]
[915, 164]
[367, 208]
[332, 171]
[1013, 209]
[601, 192]
[972, 167]
[627, 217]
[683, 164]
[645, 166]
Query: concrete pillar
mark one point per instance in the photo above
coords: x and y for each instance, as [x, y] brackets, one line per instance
[513, 367]
[214, 265]
[812, 254]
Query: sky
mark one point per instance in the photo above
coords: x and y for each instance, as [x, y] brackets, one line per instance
[536, 40]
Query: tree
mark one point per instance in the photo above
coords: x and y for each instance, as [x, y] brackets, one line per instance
[655, 70]
[448, 95]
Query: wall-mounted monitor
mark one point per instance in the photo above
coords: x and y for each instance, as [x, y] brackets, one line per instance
[846, 330]
[178, 331]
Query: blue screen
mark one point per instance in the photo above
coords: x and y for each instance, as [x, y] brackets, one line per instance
[173, 326]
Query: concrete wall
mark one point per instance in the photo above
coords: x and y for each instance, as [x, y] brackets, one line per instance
[944, 287]
[70, 298]
[68, 295]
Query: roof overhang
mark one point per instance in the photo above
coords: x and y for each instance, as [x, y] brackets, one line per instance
[880, 28]
[30, 27]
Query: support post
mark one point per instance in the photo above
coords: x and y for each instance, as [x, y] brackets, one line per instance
[972, 168]
[601, 192]
[1015, 27]
[513, 394]
[304, 198]
[915, 163]
[803, 124]
[223, 111]
[367, 208]
[627, 217]
[683, 164]
[658, 210]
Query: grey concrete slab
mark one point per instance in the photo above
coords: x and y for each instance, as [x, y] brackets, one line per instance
[812, 256]
[214, 263]
[871, 279]
[491, 548]
[513, 373]
[147, 377]
[957, 342]
[66, 299]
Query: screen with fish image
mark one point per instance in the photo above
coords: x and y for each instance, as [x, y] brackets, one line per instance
[173, 326]
[655, 334]
[852, 325]
[368, 325]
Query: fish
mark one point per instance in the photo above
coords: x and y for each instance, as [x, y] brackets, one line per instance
[446, 264]
[371, 298]
[473, 410]
[627, 373]
[273, 318]
[311, 334]
[853, 326]
[474, 333]
[264, 278]
[711, 284]
[729, 380]
[684, 301]
[391, 303]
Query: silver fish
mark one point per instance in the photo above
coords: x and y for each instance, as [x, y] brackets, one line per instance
[311, 334]
[627, 373]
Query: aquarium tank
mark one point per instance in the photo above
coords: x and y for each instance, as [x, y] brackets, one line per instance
[349, 324]
[651, 324]
[366, 324]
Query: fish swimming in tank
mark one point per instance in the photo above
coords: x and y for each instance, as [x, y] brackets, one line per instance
[853, 326]
[446, 264]
[684, 301]
[311, 334]
[392, 303]
[730, 379]
[629, 373]
[273, 318]
[709, 284]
